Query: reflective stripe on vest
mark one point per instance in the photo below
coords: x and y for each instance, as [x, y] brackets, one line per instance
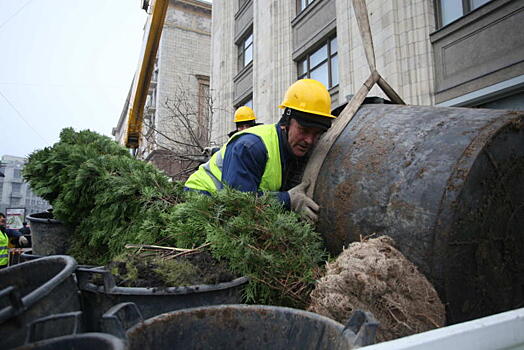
[4, 250]
[208, 177]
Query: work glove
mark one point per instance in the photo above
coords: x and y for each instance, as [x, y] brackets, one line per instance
[302, 204]
[22, 241]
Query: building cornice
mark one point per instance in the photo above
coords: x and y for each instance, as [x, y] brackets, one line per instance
[194, 3]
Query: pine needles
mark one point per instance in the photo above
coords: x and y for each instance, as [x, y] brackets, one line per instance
[97, 188]
[112, 199]
[258, 238]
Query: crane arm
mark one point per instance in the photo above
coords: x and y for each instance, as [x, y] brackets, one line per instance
[152, 33]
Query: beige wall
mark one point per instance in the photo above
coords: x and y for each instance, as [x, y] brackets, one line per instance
[401, 35]
[223, 67]
[184, 54]
[273, 69]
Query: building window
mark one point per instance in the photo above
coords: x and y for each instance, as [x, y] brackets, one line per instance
[204, 108]
[321, 64]
[245, 51]
[247, 102]
[451, 10]
[302, 4]
[17, 173]
[15, 188]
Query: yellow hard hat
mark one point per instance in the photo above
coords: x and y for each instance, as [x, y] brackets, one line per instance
[244, 114]
[310, 96]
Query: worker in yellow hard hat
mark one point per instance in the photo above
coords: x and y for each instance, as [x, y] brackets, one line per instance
[244, 118]
[265, 157]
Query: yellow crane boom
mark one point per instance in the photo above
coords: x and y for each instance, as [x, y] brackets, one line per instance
[152, 33]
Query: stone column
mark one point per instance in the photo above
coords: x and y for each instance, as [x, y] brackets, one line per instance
[273, 67]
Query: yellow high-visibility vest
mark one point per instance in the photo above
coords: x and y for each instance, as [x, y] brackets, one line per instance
[4, 249]
[208, 177]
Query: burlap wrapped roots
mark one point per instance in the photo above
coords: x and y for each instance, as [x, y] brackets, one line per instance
[374, 276]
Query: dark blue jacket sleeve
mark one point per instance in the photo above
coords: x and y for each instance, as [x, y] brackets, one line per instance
[244, 163]
[11, 233]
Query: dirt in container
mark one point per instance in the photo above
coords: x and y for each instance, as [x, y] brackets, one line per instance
[159, 270]
[374, 276]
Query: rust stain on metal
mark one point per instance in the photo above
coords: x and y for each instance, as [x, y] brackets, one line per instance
[343, 206]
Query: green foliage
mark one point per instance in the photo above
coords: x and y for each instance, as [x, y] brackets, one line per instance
[98, 189]
[258, 238]
[49, 169]
[112, 199]
[126, 193]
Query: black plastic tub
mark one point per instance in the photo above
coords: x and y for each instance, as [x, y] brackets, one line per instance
[34, 289]
[29, 256]
[97, 299]
[248, 327]
[86, 341]
[49, 236]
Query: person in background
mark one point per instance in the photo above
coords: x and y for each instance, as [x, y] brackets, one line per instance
[244, 118]
[7, 235]
[25, 230]
[261, 158]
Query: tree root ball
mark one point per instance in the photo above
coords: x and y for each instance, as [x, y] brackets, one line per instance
[374, 276]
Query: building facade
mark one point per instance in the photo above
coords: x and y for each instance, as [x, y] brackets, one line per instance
[14, 191]
[432, 52]
[178, 107]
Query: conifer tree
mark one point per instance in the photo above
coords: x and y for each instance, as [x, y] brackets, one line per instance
[111, 199]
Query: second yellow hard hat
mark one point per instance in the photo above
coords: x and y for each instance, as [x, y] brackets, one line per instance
[244, 114]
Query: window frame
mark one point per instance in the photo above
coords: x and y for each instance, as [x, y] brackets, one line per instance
[306, 2]
[204, 107]
[328, 59]
[245, 100]
[16, 188]
[241, 3]
[467, 7]
[242, 48]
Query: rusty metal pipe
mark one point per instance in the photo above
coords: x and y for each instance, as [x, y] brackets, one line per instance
[447, 185]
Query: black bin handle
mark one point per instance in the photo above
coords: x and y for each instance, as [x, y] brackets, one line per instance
[68, 323]
[15, 298]
[361, 328]
[121, 317]
[83, 274]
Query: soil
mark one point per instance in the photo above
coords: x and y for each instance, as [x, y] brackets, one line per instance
[211, 271]
[153, 271]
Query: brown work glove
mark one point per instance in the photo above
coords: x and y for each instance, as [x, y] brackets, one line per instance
[302, 204]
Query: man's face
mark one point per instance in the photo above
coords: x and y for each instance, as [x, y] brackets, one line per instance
[243, 127]
[301, 139]
[2, 222]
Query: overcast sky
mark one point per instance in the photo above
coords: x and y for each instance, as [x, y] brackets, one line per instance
[64, 63]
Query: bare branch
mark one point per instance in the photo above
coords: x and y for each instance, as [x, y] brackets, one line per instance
[180, 128]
